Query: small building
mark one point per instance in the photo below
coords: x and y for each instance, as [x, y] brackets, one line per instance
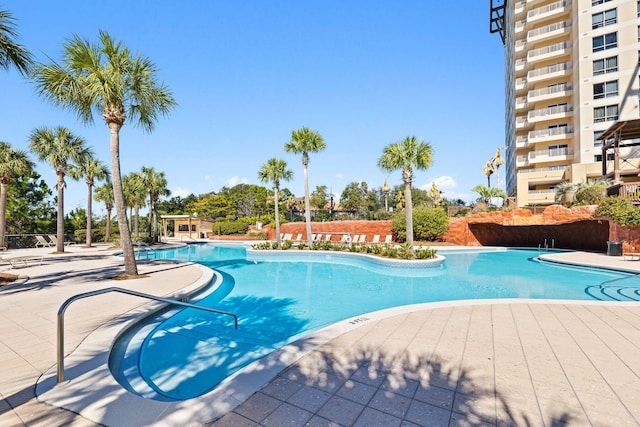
[186, 226]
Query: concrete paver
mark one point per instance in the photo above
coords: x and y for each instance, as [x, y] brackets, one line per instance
[492, 362]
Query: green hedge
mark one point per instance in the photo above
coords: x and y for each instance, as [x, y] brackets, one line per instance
[428, 224]
[230, 227]
[620, 210]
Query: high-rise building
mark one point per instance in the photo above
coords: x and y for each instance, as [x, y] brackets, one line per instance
[571, 72]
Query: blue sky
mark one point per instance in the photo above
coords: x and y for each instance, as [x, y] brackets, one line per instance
[246, 73]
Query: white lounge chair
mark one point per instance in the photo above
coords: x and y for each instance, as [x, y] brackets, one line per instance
[363, 238]
[327, 238]
[376, 238]
[355, 238]
[24, 261]
[299, 237]
[345, 239]
[388, 239]
[288, 236]
[318, 238]
[41, 242]
[54, 240]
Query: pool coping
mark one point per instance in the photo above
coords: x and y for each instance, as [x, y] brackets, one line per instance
[93, 392]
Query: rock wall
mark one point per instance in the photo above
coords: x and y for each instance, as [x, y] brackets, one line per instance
[370, 228]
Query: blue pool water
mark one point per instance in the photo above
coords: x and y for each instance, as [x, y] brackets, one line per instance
[188, 352]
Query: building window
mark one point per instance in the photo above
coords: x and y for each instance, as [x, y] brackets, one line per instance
[605, 90]
[558, 126]
[602, 19]
[597, 2]
[638, 8]
[185, 227]
[606, 65]
[596, 141]
[604, 42]
[605, 114]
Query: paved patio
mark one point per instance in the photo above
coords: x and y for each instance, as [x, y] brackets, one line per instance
[518, 362]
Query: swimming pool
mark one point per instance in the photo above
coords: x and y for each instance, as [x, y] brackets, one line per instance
[185, 353]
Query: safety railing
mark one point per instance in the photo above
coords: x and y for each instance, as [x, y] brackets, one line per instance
[142, 247]
[63, 308]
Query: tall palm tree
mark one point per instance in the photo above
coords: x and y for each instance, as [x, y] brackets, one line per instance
[155, 185]
[12, 53]
[305, 141]
[488, 193]
[498, 161]
[13, 163]
[406, 155]
[104, 194]
[59, 147]
[91, 170]
[488, 170]
[135, 197]
[275, 170]
[108, 79]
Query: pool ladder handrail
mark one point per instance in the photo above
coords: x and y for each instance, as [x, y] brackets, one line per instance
[65, 305]
[142, 246]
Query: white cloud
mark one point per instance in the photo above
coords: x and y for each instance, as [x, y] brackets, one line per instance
[339, 176]
[235, 180]
[444, 183]
[180, 192]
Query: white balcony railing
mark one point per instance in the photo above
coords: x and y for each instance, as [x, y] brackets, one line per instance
[552, 48]
[549, 169]
[521, 141]
[550, 154]
[545, 133]
[544, 112]
[548, 9]
[547, 29]
[521, 102]
[549, 90]
[551, 69]
[522, 161]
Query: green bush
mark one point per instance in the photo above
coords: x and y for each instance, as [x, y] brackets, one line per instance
[620, 210]
[231, 227]
[80, 235]
[591, 195]
[428, 224]
[287, 244]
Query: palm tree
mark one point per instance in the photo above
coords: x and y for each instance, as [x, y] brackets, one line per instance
[135, 197]
[91, 170]
[13, 163]
[305, 141]
[155, 185]
[488, 170]
[59, 147]
[11, 53]
[104, 194]
[487, 193]
[108, 79]
[275, 170]
[498, 161]
[406, 155]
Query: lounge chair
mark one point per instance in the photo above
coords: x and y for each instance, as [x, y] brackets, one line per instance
[41, 242]
[388, 239]
[363, 238]
[54, 241]
[23, 261]
[345, 239]
[313, 237]
[299, 237]
[318, 238]
[288, 236]
[327, 238]
[376, 239]
[355, 238]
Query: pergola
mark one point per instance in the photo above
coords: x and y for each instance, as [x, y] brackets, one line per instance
[620, 134]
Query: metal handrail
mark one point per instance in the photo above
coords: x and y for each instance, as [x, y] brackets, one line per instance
[63, 308]
[147, 248]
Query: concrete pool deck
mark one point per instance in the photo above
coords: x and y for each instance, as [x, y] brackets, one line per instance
[465, 363]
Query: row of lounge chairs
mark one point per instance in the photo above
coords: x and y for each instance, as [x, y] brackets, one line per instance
[42, 242]
[346, 238]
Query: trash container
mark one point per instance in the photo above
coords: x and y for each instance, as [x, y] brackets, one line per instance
[614, 248]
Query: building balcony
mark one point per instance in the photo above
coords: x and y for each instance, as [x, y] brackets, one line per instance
[522, 161]
[522, 122]
[521, 65]
[542, 197]
[550, 155]
[548, 31]
[551, 10]
[551, 92]
[520, 45]
[548, 52]
[521, 84]
[521, 26]
[550, 113]
[549, 72]
[519, 7]
[538, 176]
[548, 135]
[521, 103]
[522, 141]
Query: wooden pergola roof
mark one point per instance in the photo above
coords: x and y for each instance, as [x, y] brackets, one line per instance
[614, 138]
[628, 129]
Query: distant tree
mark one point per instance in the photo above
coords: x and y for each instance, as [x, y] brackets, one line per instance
[155, 184]
[406, 155]
[104, 194]
[249, 199]
[108, 79]
[30, 206]
[91, 170]
[75, 220]
[304, 141]
[215, 207]
[13, 163]
[488, 170]
[176, 205]
[498, 161]
[292, 206]
[354, 196]
[59, 147]
[12, 54]
[487, 193]
[319, 197]
[275, 170]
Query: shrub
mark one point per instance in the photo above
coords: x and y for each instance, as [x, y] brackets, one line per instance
[427, 253]
[620, 210]
[231, 227]
[591, 195]
[428, 224]
[462, 212]
[287, 244]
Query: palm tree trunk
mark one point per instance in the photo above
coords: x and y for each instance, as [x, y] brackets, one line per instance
[307, 208]
[3, 211]
[408, 207]
[275, 197]
[89, 214]
[60, 215]
[130, 267]
[136, 224]
[107, 234]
